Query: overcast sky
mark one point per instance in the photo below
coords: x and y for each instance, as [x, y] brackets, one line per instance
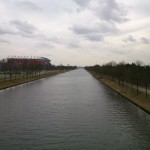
[76, 32]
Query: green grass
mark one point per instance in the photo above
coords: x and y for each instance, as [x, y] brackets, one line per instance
[139, 99]
[18, 81]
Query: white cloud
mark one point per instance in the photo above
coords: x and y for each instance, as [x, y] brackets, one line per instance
[78, 30]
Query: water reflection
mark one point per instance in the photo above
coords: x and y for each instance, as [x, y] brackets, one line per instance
[70, 111]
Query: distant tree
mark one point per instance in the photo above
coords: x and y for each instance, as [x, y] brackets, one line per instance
[136, 73]
[146, 77]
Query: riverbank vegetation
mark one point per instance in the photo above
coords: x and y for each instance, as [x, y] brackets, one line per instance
[134, 74]
[130, 80]
[11, 71]
[10, 75]
[17, 81]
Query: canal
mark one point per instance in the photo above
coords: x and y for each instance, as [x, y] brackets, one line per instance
[70, 111]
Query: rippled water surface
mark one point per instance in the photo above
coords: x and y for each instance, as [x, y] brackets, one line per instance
[70, 111]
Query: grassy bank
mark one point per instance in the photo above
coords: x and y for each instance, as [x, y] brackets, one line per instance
[138, 99]
[7, 84]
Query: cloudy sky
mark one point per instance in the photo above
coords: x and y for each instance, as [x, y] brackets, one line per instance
[76, 32]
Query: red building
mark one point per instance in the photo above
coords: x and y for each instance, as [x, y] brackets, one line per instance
[24, 61]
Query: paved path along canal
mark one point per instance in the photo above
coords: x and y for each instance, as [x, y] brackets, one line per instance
[70, 111]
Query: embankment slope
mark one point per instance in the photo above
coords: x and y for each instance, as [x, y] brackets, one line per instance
[15, 82]
[139, 99]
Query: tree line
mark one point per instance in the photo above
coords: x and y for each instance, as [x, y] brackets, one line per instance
[9, 71]
[134, 73]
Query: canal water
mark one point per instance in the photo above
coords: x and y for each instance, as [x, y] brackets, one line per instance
[70, 111]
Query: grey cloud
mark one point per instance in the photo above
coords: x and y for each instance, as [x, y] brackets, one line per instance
[4, 41]
[45, 45]
[21, 28]
[73, 45]
[24, 28]
[110, 10]
[68, 10]
[90, 34]
[94, 33]
[106, 27]
[145, 40]
[99, 28]
[82, 3]
[28, 6]
[47, 55]
[95, 37]
[119, 52]
[130, 38]
[55, 39]
[80, 29]
[142, 7]
[6, 31]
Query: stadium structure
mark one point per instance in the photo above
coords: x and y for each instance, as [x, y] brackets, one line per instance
[19, 61]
